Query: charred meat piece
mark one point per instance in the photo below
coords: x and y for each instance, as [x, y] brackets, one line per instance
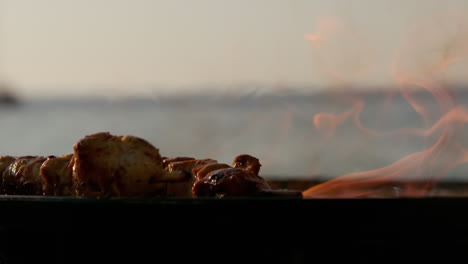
[32, 183]
[189, 168]
[56, 176]
[229, 182]
[9, 179]
[22, 176]
[5, 161]
[104, 165]
[167, 161]
[203, 171]
[247, 162]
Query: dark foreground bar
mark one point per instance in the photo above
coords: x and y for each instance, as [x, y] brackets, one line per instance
[287, 230]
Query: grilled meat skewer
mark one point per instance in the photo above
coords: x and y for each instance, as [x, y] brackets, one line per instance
[103, 165]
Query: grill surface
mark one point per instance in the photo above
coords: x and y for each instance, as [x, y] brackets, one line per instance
[360, 217]
[263, 229]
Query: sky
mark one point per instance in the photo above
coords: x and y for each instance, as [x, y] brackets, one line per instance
[146, 46]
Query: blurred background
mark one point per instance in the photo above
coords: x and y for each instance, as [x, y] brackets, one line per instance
[214, 79]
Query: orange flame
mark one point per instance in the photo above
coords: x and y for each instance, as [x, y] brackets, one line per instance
[419, 171]
[428, 165]
[327, 123]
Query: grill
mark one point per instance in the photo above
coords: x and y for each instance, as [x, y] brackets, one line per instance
[265, 229]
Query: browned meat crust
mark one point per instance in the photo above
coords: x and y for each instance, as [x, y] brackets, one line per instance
[167, 161]
[247, 162]
[233, 182]
[203, 171]
[5, 161]
[119, 166]
[22, 176]
[188, 167]
[56, 176]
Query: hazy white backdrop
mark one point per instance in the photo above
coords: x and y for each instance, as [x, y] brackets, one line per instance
[147, 46]
[119, 48]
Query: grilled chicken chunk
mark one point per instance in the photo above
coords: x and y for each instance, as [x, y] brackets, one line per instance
[240, 179]
[22, 176]
[56, 176]
[5, 161]
[203, 171]
[248, 163]
[226, 182]
[210, 178]
[104, 165]
[167, 161]
[187, 166]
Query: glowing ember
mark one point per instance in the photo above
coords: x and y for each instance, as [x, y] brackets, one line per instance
[418, 172]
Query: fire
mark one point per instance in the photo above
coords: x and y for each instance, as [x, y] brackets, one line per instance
[328, 123]
[414, 70]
